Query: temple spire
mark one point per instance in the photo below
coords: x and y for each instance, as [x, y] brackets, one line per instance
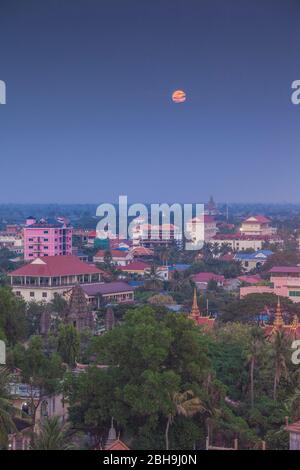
[278, 322]
[195, 312]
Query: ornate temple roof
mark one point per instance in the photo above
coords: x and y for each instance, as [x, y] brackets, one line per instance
[206, 321]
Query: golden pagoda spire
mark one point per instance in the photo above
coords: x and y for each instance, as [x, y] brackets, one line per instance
[195, 312]
[278, 322]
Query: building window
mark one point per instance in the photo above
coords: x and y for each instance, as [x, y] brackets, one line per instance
[31, 294]
[46, 231]
[44, 294]
[294, 293]
[18, 293]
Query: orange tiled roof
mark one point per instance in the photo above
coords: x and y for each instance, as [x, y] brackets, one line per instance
[117, 445]
[51, 266]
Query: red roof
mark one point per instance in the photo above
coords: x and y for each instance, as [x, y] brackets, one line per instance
[117, 445]
[285, 269]
[136, 266]
[206, 277]
[142, 251]
[250, 279]
[206, 322]
[261, 219]
[228, 257]
[92, 234]
[50, 266]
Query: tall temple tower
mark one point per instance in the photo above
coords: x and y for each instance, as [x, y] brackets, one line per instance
[195, 312]
[278, 322]
[109, 319]
[78, 313]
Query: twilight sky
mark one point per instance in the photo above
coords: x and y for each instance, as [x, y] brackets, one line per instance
[89, 114]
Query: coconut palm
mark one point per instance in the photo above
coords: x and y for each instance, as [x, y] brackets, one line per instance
[153, 279]
[215, 249]
[184, 404]
[207, 250]
[225, 248]
[7, 411]
[53, 435]
[254, 354]
[280, 353]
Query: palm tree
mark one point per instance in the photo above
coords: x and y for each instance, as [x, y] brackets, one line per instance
[225, 248]
[7, 411]
[207, 250]
[184, 404]
[53, 435]
[254, 353]
[153, 279]
[280, 353]
[215, 249]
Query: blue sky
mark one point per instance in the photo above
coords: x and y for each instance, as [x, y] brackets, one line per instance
[89, 114]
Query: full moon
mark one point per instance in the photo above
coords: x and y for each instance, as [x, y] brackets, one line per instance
[179, 96]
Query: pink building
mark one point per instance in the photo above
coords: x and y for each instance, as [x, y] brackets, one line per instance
[285, 282]
[46, 238]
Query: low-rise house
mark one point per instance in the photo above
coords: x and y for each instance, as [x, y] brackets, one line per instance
[243, 242]
[109, 292]
[284, 282]
[44, 277]
[252, 260]
[142, 252]
[12, 241]
[202, 279]
[25, 397]
[137, 267]
[118, 257]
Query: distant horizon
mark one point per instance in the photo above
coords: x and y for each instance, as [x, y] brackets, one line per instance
[218, 203]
